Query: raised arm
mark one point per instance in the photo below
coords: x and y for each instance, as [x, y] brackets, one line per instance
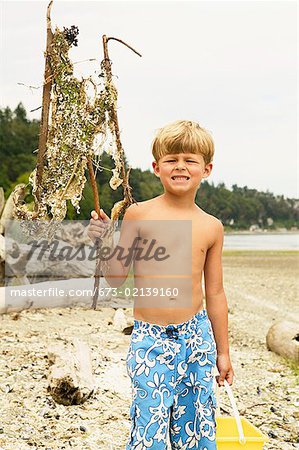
[121, 255]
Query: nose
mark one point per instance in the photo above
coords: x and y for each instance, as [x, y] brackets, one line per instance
[180, 165]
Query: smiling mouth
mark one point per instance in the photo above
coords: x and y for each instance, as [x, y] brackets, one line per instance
[180, 178]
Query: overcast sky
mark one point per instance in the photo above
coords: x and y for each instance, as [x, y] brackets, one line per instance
[231, 66]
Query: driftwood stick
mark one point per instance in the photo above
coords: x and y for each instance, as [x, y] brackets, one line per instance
[125, 176]
[98, 271]
[107, 64]
[122, 42]
[113, 112]
[45, 113]
[35, 109]
[95, 191]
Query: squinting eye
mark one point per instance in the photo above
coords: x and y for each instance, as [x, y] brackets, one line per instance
[190, 160]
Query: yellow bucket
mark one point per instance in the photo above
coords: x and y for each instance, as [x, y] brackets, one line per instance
[235, 433]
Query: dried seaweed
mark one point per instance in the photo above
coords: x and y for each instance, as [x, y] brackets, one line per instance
[75, 121]
[80, 128]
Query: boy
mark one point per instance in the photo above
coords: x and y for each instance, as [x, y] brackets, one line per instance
[174, 349]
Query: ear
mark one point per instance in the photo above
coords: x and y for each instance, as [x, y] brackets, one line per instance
[156, 168]
[208, 170]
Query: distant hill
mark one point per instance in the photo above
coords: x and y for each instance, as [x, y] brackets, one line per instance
[238, 208]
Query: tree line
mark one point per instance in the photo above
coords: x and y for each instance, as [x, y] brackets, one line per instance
[238, 208]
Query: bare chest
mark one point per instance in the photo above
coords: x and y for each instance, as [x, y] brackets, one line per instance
[178, 246]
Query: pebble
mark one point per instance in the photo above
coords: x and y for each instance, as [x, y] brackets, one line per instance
[258, 391]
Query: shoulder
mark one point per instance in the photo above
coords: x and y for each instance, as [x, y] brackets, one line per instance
[214, 227]
[217, 232]
[215, 223]
[210, 220]
[132, 212]
[139, 210]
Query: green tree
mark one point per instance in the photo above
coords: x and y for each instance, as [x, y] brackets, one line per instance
[18, 141]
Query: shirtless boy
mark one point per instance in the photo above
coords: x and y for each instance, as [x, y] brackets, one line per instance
[175, 346]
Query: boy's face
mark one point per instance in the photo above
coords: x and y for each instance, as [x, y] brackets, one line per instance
[182, 172]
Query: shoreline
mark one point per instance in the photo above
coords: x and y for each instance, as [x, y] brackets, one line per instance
[256, 233]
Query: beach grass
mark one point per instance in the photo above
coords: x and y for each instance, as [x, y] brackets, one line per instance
[260, 252]
[294, 366]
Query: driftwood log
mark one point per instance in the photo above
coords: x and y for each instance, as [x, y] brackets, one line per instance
[283, 339]
[8, 207]
[34, 263]
[70, 379]
[54, 294]
[43, 265]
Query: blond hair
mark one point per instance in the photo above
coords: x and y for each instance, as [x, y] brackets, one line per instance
[183, 136]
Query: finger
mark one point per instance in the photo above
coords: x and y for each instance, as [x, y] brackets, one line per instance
[222, 378]
[95, 224]
[104, 216]
[96, 232]
[218, 382]
[94, 215]
[99, 228]
[93, 236]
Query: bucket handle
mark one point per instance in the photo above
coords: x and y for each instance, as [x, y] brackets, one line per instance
[230, 394]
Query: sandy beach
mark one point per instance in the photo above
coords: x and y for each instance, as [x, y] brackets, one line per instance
[261, 289]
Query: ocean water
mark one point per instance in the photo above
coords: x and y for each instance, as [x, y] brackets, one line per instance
[263, 241]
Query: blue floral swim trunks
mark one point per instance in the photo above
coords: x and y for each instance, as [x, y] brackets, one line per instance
[171, 372]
